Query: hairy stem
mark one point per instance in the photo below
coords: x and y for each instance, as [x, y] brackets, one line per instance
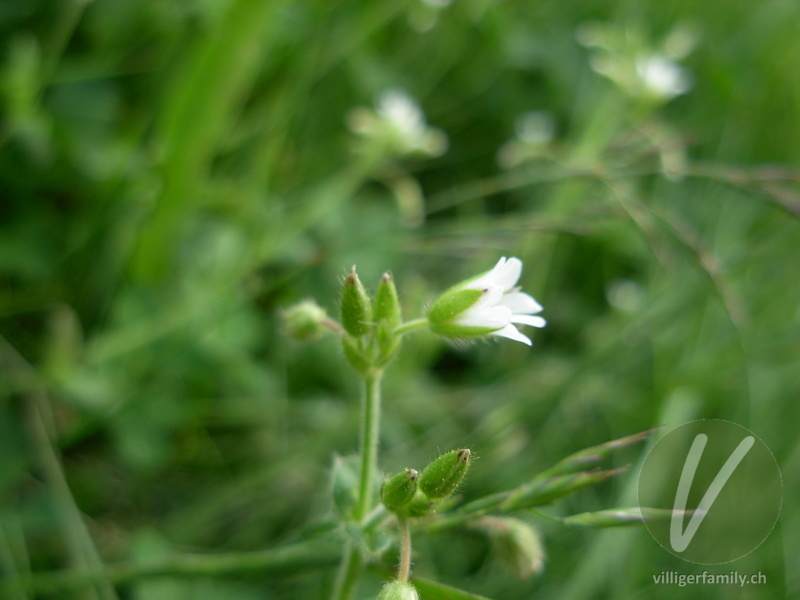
[404, 328]
[351, 564]
[405, 549]
[370, 426]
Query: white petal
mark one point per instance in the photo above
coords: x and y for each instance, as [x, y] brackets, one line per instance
[507, 275]
[492, 296]
[488, 279]
[522, 303]
[490, 317]
[531, 320]
[512, 333]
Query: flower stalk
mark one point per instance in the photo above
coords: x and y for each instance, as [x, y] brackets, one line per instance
[405, 549]
[352, 563]
[412, 325]
[370, 425]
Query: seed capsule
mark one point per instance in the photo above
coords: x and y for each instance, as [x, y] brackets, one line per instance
[304, 322]
[356, 306]
[387, 304]
[398, 491]
[443, 476]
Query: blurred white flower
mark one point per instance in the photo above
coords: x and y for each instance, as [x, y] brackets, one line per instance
[403, 113]
[662, 76]
[535, 127]
[397, 126]
[489, 304]
[535, 130]
[625, 295]
[640, 68]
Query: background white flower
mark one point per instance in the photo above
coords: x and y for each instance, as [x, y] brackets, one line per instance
[641, 67]
[662, 76]
[398, 124]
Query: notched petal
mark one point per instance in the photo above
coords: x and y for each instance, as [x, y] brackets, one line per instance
[512, 333]
[521, 303]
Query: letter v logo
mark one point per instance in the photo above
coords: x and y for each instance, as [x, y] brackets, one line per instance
[680, 539]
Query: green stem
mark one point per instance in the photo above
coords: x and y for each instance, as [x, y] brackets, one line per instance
[411, 326]
[352, 564]
[405, 549]
[370, 419]
[349, 572]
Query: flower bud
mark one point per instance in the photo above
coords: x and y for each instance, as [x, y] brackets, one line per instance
[443, 475]
[356, 306]
[387, 317]
[398, 590]
[516, 543]
[398, 491]
[305, 321]
[387, 305]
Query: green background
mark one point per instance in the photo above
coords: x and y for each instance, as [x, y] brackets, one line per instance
[174, 173]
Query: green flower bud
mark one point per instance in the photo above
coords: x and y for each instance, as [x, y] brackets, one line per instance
[387, 317]
[443, 475]
[356, 306]
[387, 305]
[305, 321]
[398, 491]
[420, 505]
[516, 543]
[398, 590]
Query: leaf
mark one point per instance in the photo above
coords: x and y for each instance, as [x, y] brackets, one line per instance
[620, 517]
[544, 490]
[590, 456]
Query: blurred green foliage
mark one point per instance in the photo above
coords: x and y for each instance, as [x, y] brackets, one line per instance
[173, 173]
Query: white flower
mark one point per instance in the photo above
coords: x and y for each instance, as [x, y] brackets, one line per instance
[398, 124]
[641, 68]
[489, 304]
[662, 76]
[403, 113]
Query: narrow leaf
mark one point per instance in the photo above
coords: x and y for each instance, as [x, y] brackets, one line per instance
[543, 490]
[621, 517]
[591, 456]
